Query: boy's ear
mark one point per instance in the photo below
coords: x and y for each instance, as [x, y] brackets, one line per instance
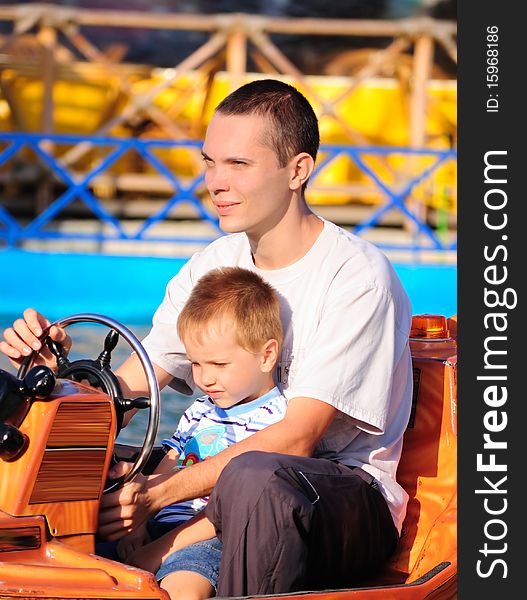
[269, 356]
[302, 166]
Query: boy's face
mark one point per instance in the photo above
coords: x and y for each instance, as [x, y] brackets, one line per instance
[227, 372]
[250, 191]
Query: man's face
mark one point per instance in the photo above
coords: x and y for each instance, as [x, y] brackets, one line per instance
[250, 191]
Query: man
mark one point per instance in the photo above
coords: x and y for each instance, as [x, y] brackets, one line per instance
[287, 521]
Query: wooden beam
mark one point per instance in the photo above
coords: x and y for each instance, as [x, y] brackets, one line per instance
[47, 36]
[190, 22]
[423, 58]
[236, 56]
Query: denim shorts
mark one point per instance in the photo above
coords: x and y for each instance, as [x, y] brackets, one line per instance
[155, 529]
[202, 558]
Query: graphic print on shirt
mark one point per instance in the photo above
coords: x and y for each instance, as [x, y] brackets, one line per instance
[207, 442]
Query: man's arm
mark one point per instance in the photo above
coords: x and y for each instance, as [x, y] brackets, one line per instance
[297, 433]
[133, 381]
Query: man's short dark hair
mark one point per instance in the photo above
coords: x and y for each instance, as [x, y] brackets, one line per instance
[295, 125]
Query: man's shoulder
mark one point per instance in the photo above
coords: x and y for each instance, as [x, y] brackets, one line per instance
[231, 241]
[359, 264]
[345, 236]
[227, 250]
[352, 251]
[345, 241]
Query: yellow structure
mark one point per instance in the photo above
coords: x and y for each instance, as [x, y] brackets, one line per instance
[51, 91]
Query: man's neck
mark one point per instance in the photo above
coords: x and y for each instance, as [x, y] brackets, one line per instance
[287, 242]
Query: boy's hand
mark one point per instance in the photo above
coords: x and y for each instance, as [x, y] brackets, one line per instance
[131, 543]
[123, 511]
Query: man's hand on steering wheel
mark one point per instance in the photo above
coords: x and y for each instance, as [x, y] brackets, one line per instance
[23, 338]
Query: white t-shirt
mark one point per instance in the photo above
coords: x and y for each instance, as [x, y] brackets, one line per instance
[346, 320]
[206, 429]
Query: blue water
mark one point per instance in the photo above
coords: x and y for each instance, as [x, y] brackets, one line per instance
[129, 289]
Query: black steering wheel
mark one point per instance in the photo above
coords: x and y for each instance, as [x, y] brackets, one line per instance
[98, 373]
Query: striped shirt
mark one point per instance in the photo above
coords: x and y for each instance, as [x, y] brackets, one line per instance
[206, 429]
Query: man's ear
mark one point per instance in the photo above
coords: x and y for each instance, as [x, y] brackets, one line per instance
[269, 356]
[302, 166]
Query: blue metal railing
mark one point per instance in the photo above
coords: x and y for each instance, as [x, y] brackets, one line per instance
[186, 189]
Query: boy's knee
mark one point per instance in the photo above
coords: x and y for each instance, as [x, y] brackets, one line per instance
[187, 585]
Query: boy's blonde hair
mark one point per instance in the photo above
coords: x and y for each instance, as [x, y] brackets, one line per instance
[238, 294]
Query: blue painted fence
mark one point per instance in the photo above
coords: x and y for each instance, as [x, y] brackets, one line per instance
[78, 186]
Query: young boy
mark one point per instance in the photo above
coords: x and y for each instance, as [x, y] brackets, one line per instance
[232, 333]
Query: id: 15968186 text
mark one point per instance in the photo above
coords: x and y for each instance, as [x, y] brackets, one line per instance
[492, 56]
